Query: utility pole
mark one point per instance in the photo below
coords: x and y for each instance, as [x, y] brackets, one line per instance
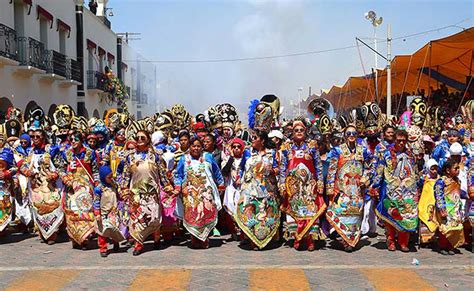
[389, 71]
[129, 36]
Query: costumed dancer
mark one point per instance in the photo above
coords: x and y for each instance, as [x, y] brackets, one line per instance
[44, 187]
[447, 192]
[426, 206]
[395, 182]
[258, 213]
[80, 177]
[198, 179]
[350, 169]
[114, 156]
[169, 222]
[106, 211]
[231, 172]
[7, 172]
[22, 200]
[301, 186]
[143, 178]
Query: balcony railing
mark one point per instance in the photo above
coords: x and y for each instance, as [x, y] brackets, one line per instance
[31, 53]
[134, 95]
[76, 70]
[128, 89]
[55, 63]
[95, 80]
[8, 44]
[144, 99]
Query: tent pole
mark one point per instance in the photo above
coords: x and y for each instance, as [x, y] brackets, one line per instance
[429, 73]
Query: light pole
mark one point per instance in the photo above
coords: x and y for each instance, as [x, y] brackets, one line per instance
[300, 90]
[372, 17]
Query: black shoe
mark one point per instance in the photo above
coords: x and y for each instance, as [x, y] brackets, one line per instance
[443, 252]
[104, 254]
[157, 245]
[116, 247]
[136, 252]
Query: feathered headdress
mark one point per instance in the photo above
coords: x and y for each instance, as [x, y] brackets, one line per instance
[253, 105]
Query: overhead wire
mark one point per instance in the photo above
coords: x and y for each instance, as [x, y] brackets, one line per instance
[292, 54]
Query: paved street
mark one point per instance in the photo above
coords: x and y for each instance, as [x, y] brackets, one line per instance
[26, 263]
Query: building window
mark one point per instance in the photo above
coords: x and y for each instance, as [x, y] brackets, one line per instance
[90, 59]
[44, 26]
[62, 41]
[19, 14]
[101, 63]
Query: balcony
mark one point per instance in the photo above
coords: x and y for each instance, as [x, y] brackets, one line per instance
[144, 99]
[128, 89]
[31, 55]
[95, 81]
[134, 96]
[55, 65]
[73, 73]
[8, 46]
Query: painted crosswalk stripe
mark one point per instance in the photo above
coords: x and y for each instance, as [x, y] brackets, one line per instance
[175, 279]
[396, 279]
[43, 280]
[278, 279]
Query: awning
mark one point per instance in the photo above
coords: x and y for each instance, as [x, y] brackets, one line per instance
[62, 25]
[44, 13]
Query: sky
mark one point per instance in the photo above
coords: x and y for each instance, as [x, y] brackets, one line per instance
[232, 29]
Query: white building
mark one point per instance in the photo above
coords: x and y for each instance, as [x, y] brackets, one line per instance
[55, 51]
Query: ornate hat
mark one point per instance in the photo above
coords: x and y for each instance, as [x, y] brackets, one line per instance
[228, 115]
[35, 117]
[14, 113]
[265, 113]
[182, 117]
[319, 106]
[418, 111]
[164, 120]
[12, 128]
[132, 130]
[371, 117]
[213, 117]
[324, 124]
[63, 116]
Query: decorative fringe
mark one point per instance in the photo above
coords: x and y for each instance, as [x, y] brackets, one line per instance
[252, 107]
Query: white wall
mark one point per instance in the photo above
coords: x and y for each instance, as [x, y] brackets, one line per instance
[96, 31]
[6, 14]
[31, 87]
[25, 87]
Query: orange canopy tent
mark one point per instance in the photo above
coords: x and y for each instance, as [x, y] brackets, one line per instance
[447, 60]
